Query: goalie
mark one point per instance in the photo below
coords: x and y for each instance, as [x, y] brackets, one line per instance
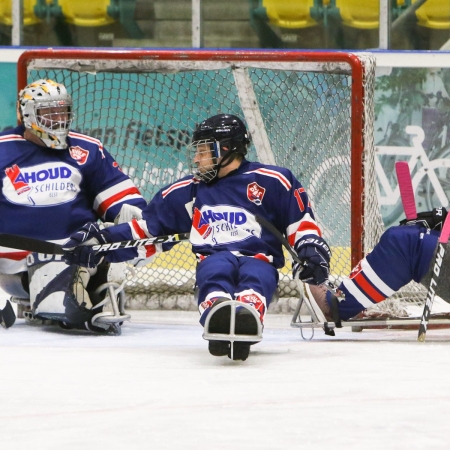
[55, 180]
[237, 259]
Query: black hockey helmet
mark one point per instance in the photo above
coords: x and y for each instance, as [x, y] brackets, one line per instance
[226, 136]
[226, 129]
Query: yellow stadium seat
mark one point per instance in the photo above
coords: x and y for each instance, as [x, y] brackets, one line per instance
[363, 14]
[29, 17]
[289, 13]
[434, 14]
[86, 13]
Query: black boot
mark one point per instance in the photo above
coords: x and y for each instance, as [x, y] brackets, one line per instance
[220, 323]
[245, 324]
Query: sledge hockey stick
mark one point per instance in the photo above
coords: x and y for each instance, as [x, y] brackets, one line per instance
[314, 308]
[443, 239]
[406, 189]
[270, 227]
[36, 245]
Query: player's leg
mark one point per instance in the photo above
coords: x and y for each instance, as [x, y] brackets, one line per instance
[404, 253]
[216, 279]
[257, 284]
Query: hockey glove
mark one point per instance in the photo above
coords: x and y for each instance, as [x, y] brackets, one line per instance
[432, 220]
[316, 255]
[78, 249]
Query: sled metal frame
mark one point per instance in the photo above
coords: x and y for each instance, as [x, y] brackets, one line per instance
[356, 324]
[117, 299]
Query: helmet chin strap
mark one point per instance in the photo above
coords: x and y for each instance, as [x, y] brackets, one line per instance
[224, 162]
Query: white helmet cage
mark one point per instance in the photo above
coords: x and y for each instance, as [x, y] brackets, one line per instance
[45, 109]
[208, 151]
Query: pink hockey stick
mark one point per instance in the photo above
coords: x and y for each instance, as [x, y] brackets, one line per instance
[406, 189]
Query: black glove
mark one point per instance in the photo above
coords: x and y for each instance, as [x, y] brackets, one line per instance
[434, 220]
[78, 250]
[316, 255]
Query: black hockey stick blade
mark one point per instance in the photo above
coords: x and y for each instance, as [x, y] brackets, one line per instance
[36, 245]
[7, 315]
[443, 239]
[29, 244]
[273, 229]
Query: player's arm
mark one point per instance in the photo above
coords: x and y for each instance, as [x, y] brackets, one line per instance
[165, 214]
[305, 236]
[110, 188]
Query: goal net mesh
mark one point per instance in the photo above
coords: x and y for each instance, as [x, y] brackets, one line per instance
[298, 112]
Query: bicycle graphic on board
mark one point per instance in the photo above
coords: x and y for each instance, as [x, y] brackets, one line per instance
[430, 175]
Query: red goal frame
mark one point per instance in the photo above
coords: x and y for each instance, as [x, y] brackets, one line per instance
[357, 102]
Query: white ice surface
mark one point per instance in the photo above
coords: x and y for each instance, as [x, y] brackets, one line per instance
[157, 387]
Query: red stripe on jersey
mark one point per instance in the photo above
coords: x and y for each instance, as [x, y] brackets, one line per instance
[306, 226]
[278, 175]
[115, 198]
[361, 281]
[15, 256]
[176, 186]
[139, 231]
[262, 257]
[149, 249]
[12, 137]
[86, 138]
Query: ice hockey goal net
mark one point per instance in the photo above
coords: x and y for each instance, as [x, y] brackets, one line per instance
[309, 111]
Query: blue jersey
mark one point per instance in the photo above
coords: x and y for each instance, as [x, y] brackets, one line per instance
[221, 215]
[50, 194]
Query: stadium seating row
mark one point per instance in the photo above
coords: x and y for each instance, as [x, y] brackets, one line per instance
[353, 13]
[265, 15]
[284, 16]
[83, 13]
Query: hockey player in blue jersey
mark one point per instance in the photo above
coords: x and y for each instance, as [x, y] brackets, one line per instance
[237, 258]
[53, 181]
[404, 253]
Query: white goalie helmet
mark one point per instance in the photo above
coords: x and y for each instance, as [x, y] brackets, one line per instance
[45, 108]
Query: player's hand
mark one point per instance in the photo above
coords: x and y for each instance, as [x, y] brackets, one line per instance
[78, 249]
[432, 220]
[316, 255]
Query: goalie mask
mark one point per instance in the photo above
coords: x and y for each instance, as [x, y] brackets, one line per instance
[215, 144]
[45, 108]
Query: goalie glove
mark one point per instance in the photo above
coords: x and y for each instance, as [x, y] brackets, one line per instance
[78, 249]
[433, 220]
[316, 255]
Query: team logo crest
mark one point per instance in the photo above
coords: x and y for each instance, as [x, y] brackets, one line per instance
[80, 155]
[255, 193]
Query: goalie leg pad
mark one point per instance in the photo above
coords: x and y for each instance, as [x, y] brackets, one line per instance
[58, 300]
